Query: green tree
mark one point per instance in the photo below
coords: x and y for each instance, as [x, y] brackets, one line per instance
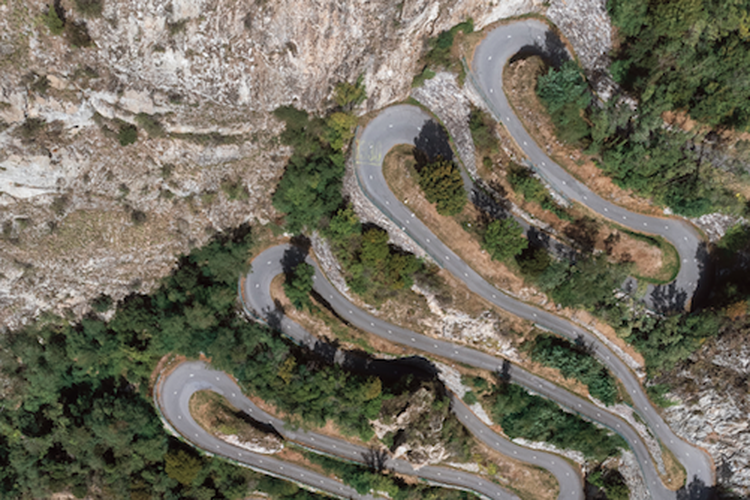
[128, 134]
[504, 239]
[299, 285]
[565, 93]
[182, 466]
[340, 129]
[441, 183]
[344, 225]
[574, 361]
[310, 189]
[54, 20]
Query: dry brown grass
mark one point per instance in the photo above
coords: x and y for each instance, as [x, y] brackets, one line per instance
[398, 169]
[675, 477]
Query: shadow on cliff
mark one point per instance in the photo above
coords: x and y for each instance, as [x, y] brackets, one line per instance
[552, 50]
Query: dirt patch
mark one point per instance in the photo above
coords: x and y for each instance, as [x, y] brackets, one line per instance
[675, 477]
[217, 416]
[519, 83]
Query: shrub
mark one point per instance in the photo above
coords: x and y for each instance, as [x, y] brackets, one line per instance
[138, 217]
[482, 128]
[77, 34]
[235, 190]
[54, 20]
[470, 398]
[439, 53]
[128, 134]
[347, 95]
[102, 303]
[419, 79]
[441, 183]
[31, 129]
[151, 124]
[299, 284]
[90, 8]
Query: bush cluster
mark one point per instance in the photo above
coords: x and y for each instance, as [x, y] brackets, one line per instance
[575, 361]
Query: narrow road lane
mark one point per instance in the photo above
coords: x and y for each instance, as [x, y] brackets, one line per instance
[258, 299]
[489, 61]
[173, 400]
[401, 125]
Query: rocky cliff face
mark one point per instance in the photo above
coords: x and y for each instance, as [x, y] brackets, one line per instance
[713, 390]
[83, 215]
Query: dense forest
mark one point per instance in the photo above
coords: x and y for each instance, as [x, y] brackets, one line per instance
[679, 56]
[524, 415]
[77, 414]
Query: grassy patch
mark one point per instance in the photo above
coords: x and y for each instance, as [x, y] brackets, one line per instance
[657, 393]
[151, 124]
[425, 75]
[127, 135]
[235, 190]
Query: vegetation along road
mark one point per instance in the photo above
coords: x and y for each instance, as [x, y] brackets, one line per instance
[489, 61]
[173, 397]
[403, 125]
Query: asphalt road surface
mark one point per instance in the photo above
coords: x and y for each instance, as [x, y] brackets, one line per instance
[269, 264]
[173, 397]
[487, 67]
[258, 300]
[404, 124]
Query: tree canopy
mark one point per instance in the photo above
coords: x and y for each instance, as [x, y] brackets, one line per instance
[686, 54]
[299, 284]
[504, 239]
[441, 183]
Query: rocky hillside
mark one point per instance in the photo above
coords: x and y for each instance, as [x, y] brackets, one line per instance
[82, 214]
[713, 394]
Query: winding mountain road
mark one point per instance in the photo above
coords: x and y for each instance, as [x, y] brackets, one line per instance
[173, 398]
[487, 67]
[258, 299]
[402, 125]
